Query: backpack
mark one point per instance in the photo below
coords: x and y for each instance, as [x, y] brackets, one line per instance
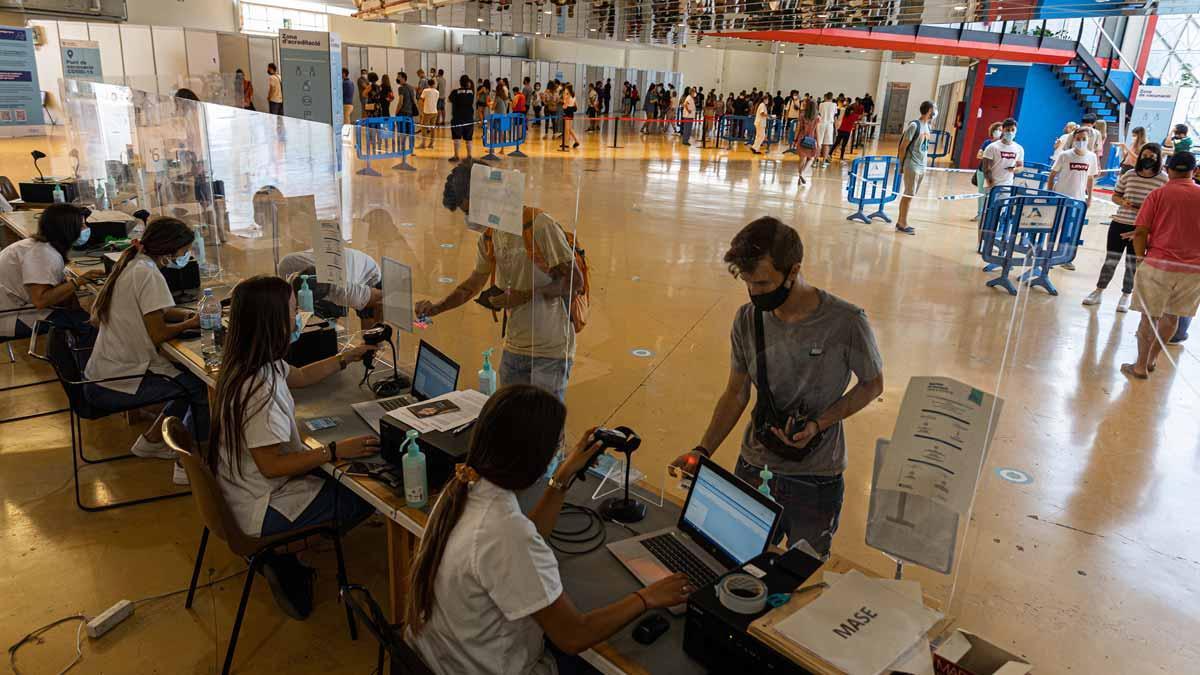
[580, 306]
[908, 148]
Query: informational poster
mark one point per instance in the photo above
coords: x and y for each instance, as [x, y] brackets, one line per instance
[1038, 215]
[397, 294]
[329, 252]
[306, 62]
[1154, 110]
[20, 94]
[81, 60]
[497, 198]
[942, 434]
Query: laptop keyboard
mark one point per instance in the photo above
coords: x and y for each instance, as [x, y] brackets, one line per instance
[677, 558]
[390, 404]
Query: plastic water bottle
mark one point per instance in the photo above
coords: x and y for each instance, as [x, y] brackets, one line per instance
[212, 333]
[58, 195]
[416, 483]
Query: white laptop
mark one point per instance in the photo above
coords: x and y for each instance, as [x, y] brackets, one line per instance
[435, 374]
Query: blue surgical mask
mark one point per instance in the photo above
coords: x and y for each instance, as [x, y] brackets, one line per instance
[84, 235]
[1008, 136]
[181, 262]
[298, 328]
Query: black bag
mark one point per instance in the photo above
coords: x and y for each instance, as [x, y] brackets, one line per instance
[975, 179]
[766, 415]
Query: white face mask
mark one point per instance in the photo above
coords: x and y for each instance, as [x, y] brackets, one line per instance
[1080, 146]
[996, 135]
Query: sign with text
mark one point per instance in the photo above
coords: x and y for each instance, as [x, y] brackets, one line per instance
[20, 94]
[81, 60]
[497, 198]
[307, 60]
[1154, 110]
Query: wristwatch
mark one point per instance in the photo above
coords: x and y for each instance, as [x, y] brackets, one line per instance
[332, 447]
[555, 483]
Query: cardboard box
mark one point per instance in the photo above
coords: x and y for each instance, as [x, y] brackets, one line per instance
[964, 653]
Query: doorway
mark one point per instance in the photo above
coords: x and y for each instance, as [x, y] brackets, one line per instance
[996, 104]
[895, 107]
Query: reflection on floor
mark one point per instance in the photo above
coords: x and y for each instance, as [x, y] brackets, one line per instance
[1090, 567]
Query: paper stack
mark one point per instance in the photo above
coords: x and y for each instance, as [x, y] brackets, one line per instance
[465, 408]
[864, 626]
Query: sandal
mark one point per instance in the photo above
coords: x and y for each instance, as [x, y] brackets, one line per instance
[1127, 369]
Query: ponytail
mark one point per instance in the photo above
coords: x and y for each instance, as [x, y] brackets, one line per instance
[418, 604]
[164, 236]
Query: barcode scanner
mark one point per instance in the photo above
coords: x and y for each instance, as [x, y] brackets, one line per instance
[374, 336]
[621, 439]
[395, 383]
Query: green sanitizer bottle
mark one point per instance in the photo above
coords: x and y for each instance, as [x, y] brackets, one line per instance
[765, 486]
[487, 376]
[304, 296]
[416, 483]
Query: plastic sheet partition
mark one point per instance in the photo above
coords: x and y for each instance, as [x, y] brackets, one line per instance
[1034, 229]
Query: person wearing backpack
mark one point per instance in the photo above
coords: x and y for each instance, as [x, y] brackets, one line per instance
[912, 154]
[541, 287]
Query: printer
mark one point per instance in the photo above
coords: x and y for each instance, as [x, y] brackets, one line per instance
[442, 450]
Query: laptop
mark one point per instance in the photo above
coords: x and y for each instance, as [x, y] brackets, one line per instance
[434, 375]
[724, 523]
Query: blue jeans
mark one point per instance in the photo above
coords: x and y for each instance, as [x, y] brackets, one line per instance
[685, 130]
[549, 373]
[74, 319]
[333, 498]
[811, 504]
[1181, 333]
[192, 408]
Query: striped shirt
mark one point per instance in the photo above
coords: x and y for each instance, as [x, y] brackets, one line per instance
[1134, 188]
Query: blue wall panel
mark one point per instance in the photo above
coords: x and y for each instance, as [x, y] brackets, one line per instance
[1044, 106]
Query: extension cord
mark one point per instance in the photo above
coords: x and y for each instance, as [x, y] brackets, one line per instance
[109, 619]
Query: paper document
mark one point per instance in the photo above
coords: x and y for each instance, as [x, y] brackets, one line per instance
[330, 252]
[470, 404]
[859, 625]
[919, 659]
[942, 434]
[497, 198]
[907, 526]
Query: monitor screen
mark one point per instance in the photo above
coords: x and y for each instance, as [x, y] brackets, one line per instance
[435, 374]
[729, 518]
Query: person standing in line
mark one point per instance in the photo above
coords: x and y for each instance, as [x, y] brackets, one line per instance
[440, 83]
[1185, 322]
[1095, 140]
[1132, 150]
[520, 102]
[247, 90]
[1074, 173]
[347, 97]
[552, 103]
[274, 90]
[1178, 140]
[593, 108]
[912, 153]
[777, 105]
[384, 96]
[798, 346]
[406, 98]
[535, 101]
[421, 81]
[828, 110]
[1130, 192]
[462, 108]
[1167, 241]
[606, 95]
[807, 127]
[429, 99]
[1002, 158]
[1064, 142]
[363, 84]
[569, 108]
[791, 116]
[650, 108]
[686, 115]
[980, 179]
[762, 112]
[846, 129]
[483, 100]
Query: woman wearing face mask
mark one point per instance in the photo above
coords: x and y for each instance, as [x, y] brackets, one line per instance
[1131, 190]
[136, 314]
[262, 466]
[33, 273]
[980, 180]
[1130, 151]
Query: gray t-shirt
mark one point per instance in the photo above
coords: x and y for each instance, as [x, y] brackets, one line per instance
[918, 149]
[808, 366]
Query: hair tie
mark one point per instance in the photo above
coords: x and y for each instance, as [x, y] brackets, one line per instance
[466, 474]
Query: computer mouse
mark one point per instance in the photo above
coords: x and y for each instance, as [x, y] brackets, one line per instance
[650, 628]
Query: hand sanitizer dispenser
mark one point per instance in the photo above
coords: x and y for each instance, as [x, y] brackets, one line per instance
[487, 376]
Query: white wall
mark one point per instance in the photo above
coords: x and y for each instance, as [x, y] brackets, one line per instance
[220, 15]
[744, 70]
[421, 38]
[650, 59]
[574, 51]
[353, 31]
[701, 67]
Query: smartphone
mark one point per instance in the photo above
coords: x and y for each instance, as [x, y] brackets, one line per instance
[319, 423]
[358, 469]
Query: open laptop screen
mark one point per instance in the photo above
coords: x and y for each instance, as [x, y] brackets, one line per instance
[435, 374]
[729, 514]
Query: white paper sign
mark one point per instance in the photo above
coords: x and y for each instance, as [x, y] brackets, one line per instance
[497, 198]
[397, 294]
[941, 436]
[859, 625]
[1038, 215]
[329, 252]
[919, 659]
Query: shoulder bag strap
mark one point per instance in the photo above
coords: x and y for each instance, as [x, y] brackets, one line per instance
[760, 362]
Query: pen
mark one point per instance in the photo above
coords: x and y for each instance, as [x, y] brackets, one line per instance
[462, 428]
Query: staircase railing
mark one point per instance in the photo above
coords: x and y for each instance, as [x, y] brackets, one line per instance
[1104, 75]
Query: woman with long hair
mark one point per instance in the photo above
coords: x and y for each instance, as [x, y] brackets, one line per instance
[136, 314]
[651, 108]
[806, 128]
[569, 108]
[484, 590]
[33, 274]
[1132, 150]
[384, 96]
[262, 465]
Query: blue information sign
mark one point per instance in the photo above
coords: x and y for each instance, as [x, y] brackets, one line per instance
[20, 95]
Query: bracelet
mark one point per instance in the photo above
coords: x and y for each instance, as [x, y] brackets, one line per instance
[703, 450]
[645, 605]
[332, 448]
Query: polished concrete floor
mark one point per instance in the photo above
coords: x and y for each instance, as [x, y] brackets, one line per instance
[1089, 567]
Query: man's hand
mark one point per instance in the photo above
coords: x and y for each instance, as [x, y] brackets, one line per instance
[801, 438]
[1127, 235]
[511, 299]
[685, 465]
[358, 446]
[425, 308]
[356, 352]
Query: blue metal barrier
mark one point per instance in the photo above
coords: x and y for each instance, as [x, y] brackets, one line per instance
[734, 129]
[1030, 177]
[1025, 227]
[384, 138]
[1038, 166]
[789, 132]
[939, 146]
[872, 180]
[504, 131]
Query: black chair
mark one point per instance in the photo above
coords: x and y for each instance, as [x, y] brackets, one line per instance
[12, 359]
[68, 361]
[405, 660]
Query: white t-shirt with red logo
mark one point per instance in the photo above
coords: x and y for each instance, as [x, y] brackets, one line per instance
[1004, 156]
[1072, 172]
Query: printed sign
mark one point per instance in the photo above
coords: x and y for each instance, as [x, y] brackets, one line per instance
[20, 94]
[1038, 215]
[306, 61]
[1154, 110]
[81, 60]
[497, 198]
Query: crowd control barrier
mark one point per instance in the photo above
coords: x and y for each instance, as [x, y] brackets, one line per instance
[939, 145]
[875, 181]
[789, 134]
[1031, 176]
[504, 131]
[735, 129]
[384, 138]
[1026, 227]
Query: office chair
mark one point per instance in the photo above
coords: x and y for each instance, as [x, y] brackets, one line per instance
[12, 360]
[8, 190]
[405, 660]
[218, 519]
[68, 361]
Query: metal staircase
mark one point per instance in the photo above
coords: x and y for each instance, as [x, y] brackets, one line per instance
[1091, 85]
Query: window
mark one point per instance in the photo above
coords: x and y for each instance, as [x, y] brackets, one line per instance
[268, 19]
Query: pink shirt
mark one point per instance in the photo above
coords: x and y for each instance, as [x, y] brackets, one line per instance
[1172, 216]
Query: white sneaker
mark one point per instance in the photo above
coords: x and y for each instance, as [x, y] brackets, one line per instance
[179, 476]
[144, 448]
[1093, 298]
[1123, 303]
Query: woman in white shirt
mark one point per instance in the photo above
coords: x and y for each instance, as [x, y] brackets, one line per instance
[136, 315]
[485, 591]
[262, 465]
[363, 290]
[33, 274]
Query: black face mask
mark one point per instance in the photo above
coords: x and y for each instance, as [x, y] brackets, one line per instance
[771, 300]
[1148, 164]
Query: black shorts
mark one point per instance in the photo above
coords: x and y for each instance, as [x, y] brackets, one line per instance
[569, 113]
[462, 131]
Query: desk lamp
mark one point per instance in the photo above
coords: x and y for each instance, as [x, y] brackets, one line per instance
[38, 154]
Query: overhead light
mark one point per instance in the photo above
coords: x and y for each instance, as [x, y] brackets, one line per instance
[549, 12]
[822, 16]
[862, 51]
[959, 8]
[480, 19]
[592, 29]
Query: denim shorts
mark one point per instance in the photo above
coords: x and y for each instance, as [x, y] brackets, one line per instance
[549, 373]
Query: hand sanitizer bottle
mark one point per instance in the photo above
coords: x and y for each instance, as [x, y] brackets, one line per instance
[58, 195]
[766, 477]
[487, 376]
[304, 297]
[416, 484]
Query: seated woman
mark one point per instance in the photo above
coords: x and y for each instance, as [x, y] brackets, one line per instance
[263, 467]
[485, 592]
[363, 290]
[33, 273]
[136, 315]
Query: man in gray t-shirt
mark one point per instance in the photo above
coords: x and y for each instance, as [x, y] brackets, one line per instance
[913, 153]
[813, 342]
